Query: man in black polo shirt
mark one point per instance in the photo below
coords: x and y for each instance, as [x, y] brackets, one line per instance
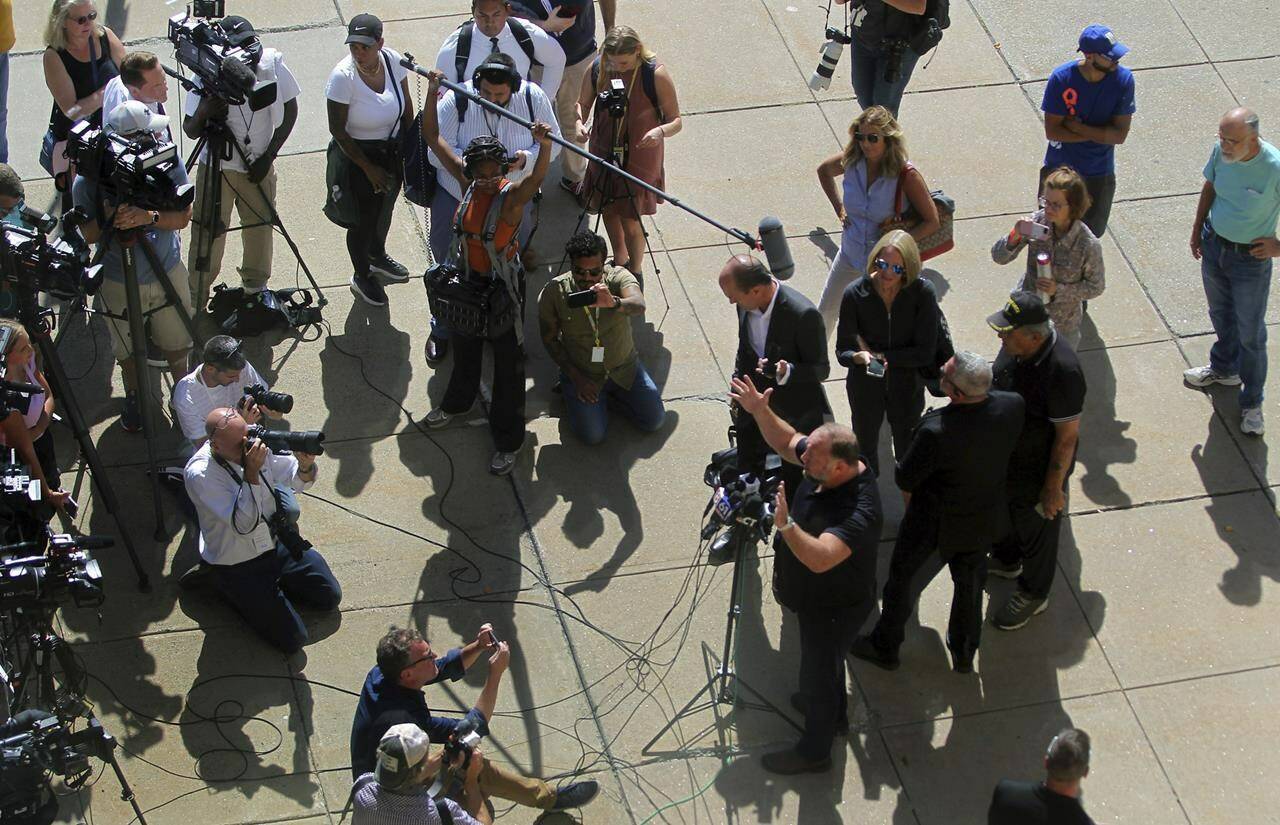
[824, 568]
[955, 472]
[392, 695]
[1040, 366]
[1056, 800]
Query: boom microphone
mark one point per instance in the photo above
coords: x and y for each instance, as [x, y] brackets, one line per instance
[776, 251]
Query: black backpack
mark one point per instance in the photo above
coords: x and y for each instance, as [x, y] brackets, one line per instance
[463, 55]
[928, 32]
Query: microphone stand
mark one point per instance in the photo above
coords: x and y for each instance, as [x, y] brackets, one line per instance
[746, 237]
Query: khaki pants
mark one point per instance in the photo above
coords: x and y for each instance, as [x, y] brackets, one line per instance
[574, 166]
[166, 325]
[255, 216]
[505, 783]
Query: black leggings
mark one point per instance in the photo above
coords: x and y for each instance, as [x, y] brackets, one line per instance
[368, 238]
[898, 396]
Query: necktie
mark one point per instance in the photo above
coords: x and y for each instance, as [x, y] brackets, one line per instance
[494, 41]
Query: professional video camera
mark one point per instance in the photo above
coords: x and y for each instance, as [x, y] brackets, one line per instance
[282, 441]
[225, 71]
[60, 268]
[741, 504]
[129, 171]
[64, 569]
[280, 402]
[49, 747]
[614, 99]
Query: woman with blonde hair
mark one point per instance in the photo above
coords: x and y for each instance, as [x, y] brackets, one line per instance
[1075, 254]
[631, 130]
[27, 430]
[82, 56]
[872, 164]
[888, 332]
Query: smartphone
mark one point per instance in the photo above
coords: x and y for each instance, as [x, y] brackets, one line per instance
[875, 368]
[585, 298]
[1031, 229]
[493, 639]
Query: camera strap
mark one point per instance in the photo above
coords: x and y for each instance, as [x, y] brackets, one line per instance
[275, 495]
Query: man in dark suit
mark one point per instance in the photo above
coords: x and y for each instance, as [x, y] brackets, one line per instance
[1056, 800]
[782, 345]
[954, 472]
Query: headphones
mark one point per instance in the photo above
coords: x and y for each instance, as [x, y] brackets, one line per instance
[496, 66]
[484, 147]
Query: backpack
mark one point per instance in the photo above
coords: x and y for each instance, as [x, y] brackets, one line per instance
[648, 80]
[463, 56]
[928, 32]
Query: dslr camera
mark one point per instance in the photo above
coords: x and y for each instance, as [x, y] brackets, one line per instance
[614, 99]
[60, 268]
[227, 72]
[284, 441]
[129, 170]
[280, 402]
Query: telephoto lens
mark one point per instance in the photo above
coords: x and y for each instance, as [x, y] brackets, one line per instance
[279, 441]
[280, 402]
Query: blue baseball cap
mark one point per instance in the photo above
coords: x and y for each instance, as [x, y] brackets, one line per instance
[1101, 40]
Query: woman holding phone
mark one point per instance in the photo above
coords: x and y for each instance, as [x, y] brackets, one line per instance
[1057, 230]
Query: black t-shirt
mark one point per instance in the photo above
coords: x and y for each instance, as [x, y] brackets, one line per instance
[883, 22]
[1026, 803]
[1052, 384]
[852, 513]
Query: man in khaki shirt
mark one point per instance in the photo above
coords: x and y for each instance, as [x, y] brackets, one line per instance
[592, 344]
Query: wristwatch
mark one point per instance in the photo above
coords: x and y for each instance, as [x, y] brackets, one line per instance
[788, 524]
[155, 217]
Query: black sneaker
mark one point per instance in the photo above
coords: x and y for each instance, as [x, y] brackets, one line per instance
[389, 268]
[867, 650]
[575, 795]
[131, 415]
[368, 290]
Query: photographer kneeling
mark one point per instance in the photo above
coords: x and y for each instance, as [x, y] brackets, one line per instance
[257, 559]
[398, 789]
[220, 381]
[824, 570]
[392, 694]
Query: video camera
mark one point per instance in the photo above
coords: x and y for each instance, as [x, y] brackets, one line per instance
[741, 504]
[48, 747]
[64, 569]
[458, 749]
[280, 402]
[134, 171]
[225, 71]
[60, 268]
[282, 441]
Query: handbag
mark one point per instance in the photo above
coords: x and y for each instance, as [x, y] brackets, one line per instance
[46, 151]
[339, 204]
[940, 241]
[419, 174]
[469, 305]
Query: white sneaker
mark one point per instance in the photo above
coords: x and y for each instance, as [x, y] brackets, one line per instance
[1251, 421]
[1206, 375]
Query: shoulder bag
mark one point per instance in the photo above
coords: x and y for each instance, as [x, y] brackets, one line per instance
[942, 240]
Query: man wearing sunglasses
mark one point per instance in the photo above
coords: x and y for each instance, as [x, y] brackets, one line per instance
[592, 343]
[1088, 107]
[392, 695]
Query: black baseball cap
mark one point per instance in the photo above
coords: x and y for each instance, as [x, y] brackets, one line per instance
[1023, 309]
[238, 30]
[364, 29]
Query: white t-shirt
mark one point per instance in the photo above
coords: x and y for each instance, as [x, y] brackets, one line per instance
[370, 115]
[253, 130]
[193, 401]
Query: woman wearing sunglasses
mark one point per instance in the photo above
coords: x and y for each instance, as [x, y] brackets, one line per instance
[888, 331]
[1075, 254]
[81, 58]
[872, 163]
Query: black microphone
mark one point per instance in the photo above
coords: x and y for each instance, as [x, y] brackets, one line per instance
[238, 75]
[776, 251]
[18, 386]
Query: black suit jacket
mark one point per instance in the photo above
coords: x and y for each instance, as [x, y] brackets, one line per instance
[956, 466]
[798, 336]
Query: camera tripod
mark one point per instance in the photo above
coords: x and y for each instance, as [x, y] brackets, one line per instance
[724, 686]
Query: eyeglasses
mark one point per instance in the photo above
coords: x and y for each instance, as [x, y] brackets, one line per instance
[84, 18]
[1048, 204]
[430, 657]
[593, 271]
[869, 138]
[225, 420]
[883, 266]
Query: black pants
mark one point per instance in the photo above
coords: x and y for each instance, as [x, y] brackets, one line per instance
[1031, 540]
[825, 636]
[43, 447]
[368, 238]
[1102, 190]
[899, 396]
[506, 415]
[915, 562]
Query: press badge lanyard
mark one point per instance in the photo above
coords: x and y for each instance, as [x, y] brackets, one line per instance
[597, 352]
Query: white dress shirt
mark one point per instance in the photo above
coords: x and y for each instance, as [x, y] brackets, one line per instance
[517, 139]
[219, 498]
[758, 323]
[193, 400]
[545, 49]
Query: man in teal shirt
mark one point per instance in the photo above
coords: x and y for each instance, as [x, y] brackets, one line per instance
[1234, 238]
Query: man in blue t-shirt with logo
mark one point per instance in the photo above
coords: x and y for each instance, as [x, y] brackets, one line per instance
[1088, 106]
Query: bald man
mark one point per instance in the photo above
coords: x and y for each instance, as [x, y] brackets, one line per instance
[782, 345]
[1234, 238]
[232, 481]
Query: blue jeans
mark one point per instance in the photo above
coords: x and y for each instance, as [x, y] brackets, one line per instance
[263, 590]
[868, 76]
[642, 404]
[4, 107]
[1236, 285]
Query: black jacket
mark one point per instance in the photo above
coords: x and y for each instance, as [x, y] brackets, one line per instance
[956, 467]
[798, 336]
[907, 336]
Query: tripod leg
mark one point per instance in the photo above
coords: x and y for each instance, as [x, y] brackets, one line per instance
[138, 340]
[126, 792]
[61, 387]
